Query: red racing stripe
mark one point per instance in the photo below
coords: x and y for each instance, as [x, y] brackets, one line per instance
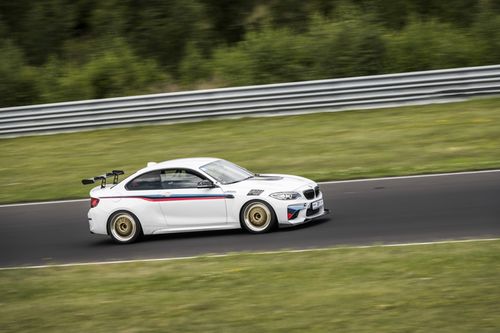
[166, 198]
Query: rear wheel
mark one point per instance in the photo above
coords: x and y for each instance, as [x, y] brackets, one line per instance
[124, 227]
[257, 217]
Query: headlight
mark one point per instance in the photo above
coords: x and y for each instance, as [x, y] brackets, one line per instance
[285, 195]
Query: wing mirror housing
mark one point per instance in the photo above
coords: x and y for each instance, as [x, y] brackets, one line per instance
[205, 183]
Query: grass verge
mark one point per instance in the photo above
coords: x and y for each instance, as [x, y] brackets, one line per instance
[431, 288]
[321, 146]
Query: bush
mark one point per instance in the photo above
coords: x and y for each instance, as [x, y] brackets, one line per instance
[328, 50]
[430, 45]
[194, 67]
[18, 81]
[487, 34]
[264, 57]
[351, 47]
[114, 72]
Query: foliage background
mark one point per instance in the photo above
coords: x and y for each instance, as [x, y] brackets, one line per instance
[59, 50]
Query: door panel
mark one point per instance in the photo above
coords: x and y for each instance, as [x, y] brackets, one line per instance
[142, 199]
[194, 207]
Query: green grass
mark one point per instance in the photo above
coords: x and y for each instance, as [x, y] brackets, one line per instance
[322, 146]
[433, 288]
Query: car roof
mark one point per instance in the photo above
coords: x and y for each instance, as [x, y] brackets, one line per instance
[190, 163]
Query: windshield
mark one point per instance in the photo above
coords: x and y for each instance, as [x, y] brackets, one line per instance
[226, 172]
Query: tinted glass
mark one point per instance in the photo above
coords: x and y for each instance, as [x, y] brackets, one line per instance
[226, 172]
[179, 178]
[148, 181]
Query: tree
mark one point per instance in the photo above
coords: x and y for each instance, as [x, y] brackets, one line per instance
[44, 28]
[114, 72]
[162, 29]
[430, 45]
[18, 81]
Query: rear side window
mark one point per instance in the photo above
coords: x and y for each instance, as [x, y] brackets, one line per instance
[148, 181]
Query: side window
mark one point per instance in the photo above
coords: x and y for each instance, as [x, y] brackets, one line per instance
[179, 178]
[148, 181]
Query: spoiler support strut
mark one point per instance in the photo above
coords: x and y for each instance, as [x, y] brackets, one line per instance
[103, 178]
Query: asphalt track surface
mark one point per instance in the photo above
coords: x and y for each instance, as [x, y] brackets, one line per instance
[420, 209]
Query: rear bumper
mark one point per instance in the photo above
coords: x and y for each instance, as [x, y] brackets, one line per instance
[97, 221]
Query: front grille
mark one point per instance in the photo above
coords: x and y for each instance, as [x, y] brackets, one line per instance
[309, 194]
[316, 191]
[310, 212]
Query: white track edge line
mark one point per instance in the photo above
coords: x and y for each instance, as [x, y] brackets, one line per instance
[249, 253]
[325, 182]
[411, 176]
[43, 203]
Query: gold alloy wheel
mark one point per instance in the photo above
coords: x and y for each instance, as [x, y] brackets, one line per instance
[257, 216]
[123, 227]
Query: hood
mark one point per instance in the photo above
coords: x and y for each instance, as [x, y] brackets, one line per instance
[276, 182]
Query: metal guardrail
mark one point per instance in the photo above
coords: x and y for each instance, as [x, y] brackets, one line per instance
[288, 98]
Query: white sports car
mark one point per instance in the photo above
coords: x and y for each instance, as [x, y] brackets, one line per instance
[195, 194]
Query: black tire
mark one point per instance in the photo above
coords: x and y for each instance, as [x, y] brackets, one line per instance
[124, 227]
[257, 217]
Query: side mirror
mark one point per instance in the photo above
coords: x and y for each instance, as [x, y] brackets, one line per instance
[205, 183]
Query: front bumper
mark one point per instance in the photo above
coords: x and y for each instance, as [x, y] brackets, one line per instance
[288, 224]
[299, 212]
[325, 212]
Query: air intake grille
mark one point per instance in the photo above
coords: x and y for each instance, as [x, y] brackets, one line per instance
[311, 212]
[309, 194]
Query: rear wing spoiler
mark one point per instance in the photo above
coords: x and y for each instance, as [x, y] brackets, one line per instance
[103, 178]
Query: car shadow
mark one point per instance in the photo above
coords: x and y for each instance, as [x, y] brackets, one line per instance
[193, 234]
[107, 241]
[310, 224]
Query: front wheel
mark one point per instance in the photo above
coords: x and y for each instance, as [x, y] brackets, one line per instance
[257, 217]
[124, 227]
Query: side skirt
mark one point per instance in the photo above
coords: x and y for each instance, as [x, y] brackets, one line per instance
[193, 229]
